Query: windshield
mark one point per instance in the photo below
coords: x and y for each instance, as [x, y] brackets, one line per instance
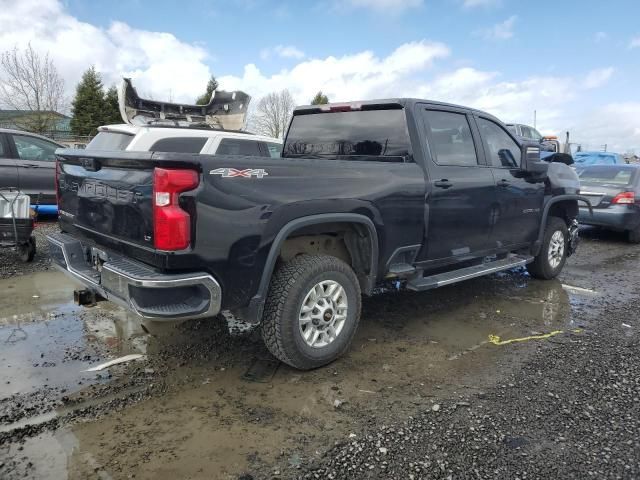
[349, 135]
[606, 175]
[110, 141]
[595, 159]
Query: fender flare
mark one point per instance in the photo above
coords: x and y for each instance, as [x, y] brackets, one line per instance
[545, 214]
[253, 312]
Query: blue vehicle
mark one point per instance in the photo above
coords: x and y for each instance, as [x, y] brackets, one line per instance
[598, 158]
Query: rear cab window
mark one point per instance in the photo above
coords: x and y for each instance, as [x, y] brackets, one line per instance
[363, 135]
[110, 141]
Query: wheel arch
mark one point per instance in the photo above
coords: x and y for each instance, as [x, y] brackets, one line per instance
[367, 279]
[563, 206]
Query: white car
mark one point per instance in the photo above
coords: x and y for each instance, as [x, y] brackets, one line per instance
[183, 140]
[156, 126]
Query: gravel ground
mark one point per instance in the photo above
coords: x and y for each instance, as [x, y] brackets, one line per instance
[10, 263]
[571, 411]
[422, 393]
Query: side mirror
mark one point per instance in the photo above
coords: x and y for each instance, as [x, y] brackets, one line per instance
[531, 162]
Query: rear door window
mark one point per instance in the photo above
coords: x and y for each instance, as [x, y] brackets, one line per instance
[110, 141]
[450, 138]
[500, 149]
[179, 145]
[235, 146]
[36, 149]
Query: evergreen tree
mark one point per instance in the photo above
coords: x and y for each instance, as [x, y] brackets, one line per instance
[111, 107]
[212, 85]
[88, 106]
[320, 99]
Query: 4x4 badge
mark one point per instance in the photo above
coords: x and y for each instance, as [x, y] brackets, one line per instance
[234, 172]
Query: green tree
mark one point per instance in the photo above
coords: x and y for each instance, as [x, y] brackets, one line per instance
[111, 107]
[88, 106]
[320, 99]
[212, 85]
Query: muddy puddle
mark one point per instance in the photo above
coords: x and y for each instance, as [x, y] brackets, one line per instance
[47, 342]
[209, 403]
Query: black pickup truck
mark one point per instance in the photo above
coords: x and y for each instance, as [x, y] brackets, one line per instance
[405, 193]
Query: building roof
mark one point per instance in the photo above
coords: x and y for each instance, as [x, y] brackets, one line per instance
[11, 114]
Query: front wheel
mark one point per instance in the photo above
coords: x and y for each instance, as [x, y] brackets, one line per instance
[553, 253]
[312, 311]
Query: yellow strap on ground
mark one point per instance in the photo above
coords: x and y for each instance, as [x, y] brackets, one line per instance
[495, 339]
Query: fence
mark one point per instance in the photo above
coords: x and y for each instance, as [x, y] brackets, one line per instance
[61, 135]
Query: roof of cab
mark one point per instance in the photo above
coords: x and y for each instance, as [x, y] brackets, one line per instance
[387, 102]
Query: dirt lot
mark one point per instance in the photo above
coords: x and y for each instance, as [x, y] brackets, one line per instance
[428, 389]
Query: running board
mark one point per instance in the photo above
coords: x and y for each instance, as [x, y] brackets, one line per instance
[455, 276]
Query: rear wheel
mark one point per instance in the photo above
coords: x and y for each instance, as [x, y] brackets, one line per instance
[633, 236]
[312, 311]
[553, 253]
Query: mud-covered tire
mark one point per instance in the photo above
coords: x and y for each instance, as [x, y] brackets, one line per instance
[27, 251]
[290, 286]
[633, 236]
[543, 266]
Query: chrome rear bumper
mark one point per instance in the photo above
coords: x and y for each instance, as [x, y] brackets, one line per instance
[146, 292]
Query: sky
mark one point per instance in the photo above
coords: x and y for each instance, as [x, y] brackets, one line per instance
[575, 62]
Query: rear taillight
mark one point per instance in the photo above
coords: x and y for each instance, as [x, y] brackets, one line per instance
[171, 224]
[624, 198]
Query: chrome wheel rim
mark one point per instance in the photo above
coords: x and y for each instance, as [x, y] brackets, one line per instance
[556, 249]
[323, 313]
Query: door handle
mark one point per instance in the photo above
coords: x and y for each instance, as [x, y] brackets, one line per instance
[30, 165]
[504, 183]
[444, 183]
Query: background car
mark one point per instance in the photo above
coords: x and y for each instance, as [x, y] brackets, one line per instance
[527, 133]
[614, 192]
[598, 158]
[27, 161]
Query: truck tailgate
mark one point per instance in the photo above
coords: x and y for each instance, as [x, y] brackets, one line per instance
[108, 196]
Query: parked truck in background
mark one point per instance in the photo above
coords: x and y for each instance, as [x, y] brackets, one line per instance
[403, 192]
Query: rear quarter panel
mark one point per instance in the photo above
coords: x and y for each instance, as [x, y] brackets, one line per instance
[239, 217]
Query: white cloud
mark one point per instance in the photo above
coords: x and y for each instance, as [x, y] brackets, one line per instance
[480, 3]
[284, 51]
[601, 36]
[161, 64]
[381, 6]
[500, 31]
[635, 42]
[357, 76]
[597, 78]
[614, 124]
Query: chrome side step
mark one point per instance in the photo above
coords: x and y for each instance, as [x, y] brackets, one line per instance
[455, 276]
